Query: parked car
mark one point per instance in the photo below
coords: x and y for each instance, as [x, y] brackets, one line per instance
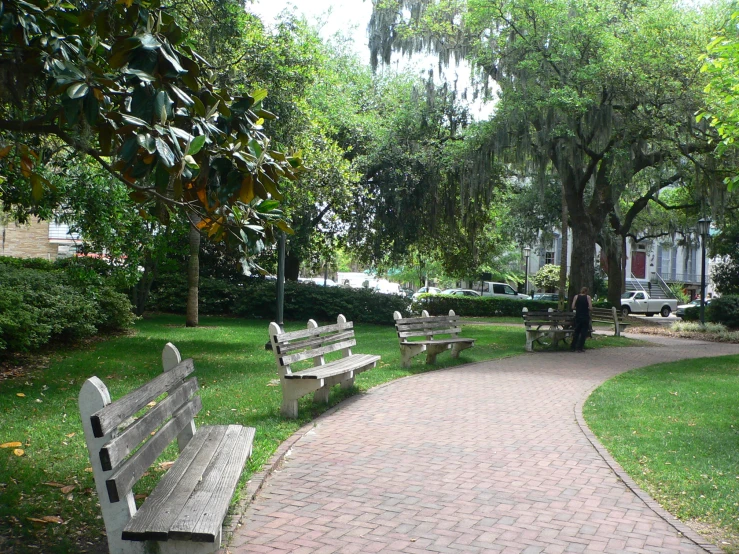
[547, 296]
[460, 292]
[425, 290]
[639, 302]
[680, 312]
[317, 281]
[503, 290]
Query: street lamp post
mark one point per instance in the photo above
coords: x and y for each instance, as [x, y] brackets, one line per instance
[526, 252]
[704, 224]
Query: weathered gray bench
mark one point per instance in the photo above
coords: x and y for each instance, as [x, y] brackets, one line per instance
[547, 328]
[611, 316]
[315, 343]
[185, 511]
[429, 327]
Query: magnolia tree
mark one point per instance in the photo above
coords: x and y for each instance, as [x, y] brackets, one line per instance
[116, 83]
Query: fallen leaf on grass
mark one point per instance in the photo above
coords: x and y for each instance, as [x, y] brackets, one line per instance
[14, 444]
[139, 497]
[151, 404]
[20, 394]
[88, 470]
[70, 435]
[166, 465]
[68, 489]
[53, 484]
[19, 452]
[274, 383]
[46, 519]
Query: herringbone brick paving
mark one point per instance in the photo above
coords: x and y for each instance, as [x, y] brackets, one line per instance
[485, 457]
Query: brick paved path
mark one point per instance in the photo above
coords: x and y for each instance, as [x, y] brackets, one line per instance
[486, 457]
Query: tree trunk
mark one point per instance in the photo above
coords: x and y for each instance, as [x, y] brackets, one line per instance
[292, 266]
[583, 253]
[563, 260]
[193, 278]
[612, 248]
[141, 290]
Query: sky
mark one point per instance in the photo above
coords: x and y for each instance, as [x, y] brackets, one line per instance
[351, 18]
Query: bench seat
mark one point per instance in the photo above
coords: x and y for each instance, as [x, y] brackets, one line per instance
[356, 363]
[192, 498]
[611, 316]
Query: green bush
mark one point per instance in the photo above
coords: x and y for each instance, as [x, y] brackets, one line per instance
[40, 303]
[257, 298]
[485, 306]
[724, 310]
[692, 314]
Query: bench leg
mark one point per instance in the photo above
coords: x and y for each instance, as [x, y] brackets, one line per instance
[408, 351]
[458, 347]
[347, 383]
[292, 389]
[321, 395]
[530, 338]
[289, 407]
[433, 350]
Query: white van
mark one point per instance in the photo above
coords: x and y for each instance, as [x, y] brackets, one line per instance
[503, 290]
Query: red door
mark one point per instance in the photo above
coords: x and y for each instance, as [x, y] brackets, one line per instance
[639, 264]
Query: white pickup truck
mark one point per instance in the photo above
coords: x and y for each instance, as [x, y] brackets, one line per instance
[639, 302]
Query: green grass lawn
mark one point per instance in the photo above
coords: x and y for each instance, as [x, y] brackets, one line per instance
[675, 429]
[236, 376]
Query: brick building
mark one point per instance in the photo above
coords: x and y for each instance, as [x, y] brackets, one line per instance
[37, 239]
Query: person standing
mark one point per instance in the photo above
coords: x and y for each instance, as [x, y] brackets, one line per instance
[581, 304]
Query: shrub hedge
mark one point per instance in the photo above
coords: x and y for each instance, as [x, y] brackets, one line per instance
[486, 306]
[257, 298]
[41, 303]
[724, 310]
[692, 314]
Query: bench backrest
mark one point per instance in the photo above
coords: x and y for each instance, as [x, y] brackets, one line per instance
[112, 433]
[546, 317]
[427, 326]
[606, 313]
[314, 342]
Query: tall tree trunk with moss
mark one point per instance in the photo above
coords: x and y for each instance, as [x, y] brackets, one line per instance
[193, 278]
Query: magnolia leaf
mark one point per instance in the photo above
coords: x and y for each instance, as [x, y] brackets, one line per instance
[77, 90]
[285, 227]
[19, 452]
[165, 152]
[5, 151]
[259, 94]
[20, 394]
[196, 145]
[37, 187]
[14, 444]
[68, 489]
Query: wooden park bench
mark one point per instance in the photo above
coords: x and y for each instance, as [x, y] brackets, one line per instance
[315, 343]
[547, 328]
[430, 328]
[185, 511]
[611, 316]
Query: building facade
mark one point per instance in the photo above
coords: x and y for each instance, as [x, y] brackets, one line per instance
[37, 239]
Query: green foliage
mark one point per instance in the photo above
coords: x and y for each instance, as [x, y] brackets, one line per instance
[439, 304]
[547, 278]
[692, 314]
[724, 310]
[678, 291]
[725, 274]
[40, 305]
[116, 80]
[257, 298]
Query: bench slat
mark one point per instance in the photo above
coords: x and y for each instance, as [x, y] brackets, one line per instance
[153, 520]
[115, 413]
[202, 516]
[305, 333]
[313, 352]
[448, 331]
[318, 341]
[114, 452]
[336, 367]
[131, 471]
[430, 319]
[421, 327]
[442, 341]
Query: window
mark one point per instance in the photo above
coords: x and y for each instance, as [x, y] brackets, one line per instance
[498, 289]
[639, 296]
[549, 258]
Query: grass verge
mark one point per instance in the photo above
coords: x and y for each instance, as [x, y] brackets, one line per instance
[38, 408]
[674, 428]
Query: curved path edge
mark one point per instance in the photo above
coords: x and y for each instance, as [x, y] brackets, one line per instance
[645, 497]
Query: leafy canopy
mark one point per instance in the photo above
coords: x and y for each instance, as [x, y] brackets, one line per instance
[116, 82]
